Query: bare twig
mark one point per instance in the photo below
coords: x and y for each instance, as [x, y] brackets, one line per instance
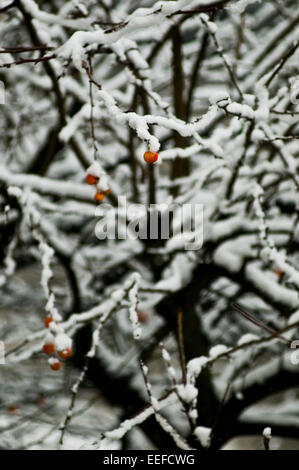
[222, 55]
[181, 345]
[286, 57]
[17, 50]
[171, 373]
[282, 137]
[26, 61]
[166, 426]
[90, 75]
[260, 324]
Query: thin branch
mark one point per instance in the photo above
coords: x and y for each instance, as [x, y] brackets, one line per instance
[171, 373]
[17, 50]
[221, 404]
[220, 51]
[282, 137]
[289, 54]
[165, 425]
[195, 72]
[260, 324]
[92, 128]
[291, 113]
[181, 346]
[90, 354]
[25, 61]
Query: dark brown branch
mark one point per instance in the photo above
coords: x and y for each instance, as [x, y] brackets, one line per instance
[60, 100]
[282, 137]
[180, 166]
[240, 162]
[26, 61]
[220, 51]
[260, 324]
[195, 72]
[286, 57]
[181, 346]
[17, 50]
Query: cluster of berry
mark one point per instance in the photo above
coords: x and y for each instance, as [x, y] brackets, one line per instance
[96, 176]
[93, 172]
[60, 344]
[99, 195]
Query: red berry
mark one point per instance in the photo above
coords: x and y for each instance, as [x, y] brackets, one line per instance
[99, 196]
[48, 348]
[55, 365]
[150, 157]
[90, 179]
[48, 319]
[65, 353]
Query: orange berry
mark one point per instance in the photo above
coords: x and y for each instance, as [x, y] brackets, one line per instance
[99, 196]
[65, 353]
[48, 348]
[277, 272]
[142, 317]
[55, 365]
[150, 157]
[90, 179]
[107, 192]
[47, 321]
[13, 409]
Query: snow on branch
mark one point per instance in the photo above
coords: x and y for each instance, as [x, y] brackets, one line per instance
[140, 19]
[165, 425]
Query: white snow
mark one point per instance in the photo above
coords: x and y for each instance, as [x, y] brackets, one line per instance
[203, 434]
[133, 298]
[247, 338]
[241, 5]
[267, 433]
[187, 392]
[218, 350]
[62, 342]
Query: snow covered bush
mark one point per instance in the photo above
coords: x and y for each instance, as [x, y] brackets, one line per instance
[137, 342]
